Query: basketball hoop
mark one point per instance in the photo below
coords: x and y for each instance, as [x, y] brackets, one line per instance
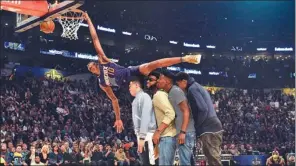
[71, 22]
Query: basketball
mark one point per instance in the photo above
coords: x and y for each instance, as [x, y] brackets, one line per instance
[47, 26]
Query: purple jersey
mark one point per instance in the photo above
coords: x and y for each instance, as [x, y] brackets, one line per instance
[112, 74]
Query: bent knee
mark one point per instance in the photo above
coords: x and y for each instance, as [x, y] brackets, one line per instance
[144, 69]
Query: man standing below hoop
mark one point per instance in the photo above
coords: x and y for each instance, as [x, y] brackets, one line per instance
[144, 121]
[110, 74]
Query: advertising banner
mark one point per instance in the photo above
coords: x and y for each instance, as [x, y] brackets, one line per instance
[252, 160]
[40, 72]
[6, 72]
[212, 89]
[289, 91]
[14, 46]
[70, 54]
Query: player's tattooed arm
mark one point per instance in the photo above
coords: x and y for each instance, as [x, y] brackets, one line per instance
[96, 40]
[118, 123]
[109, 92]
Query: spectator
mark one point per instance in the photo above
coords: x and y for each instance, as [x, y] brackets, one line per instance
[66, 156]
[4, 153]
[44, 155]
[17, 157]
[37, 161]
[25, 150]
[98, 153]
[242, 150]
[86, 156]
[121, 157]
[225, 150]
[31, 156]
[76, 155]
[233, 150]
[109, 155]
[55, 157]
[131, 153]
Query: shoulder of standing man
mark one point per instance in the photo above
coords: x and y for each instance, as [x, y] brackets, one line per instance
[146, 95]
[160, 93]
[177, 94]
[194, 86]
[144, 98]
[159, 97]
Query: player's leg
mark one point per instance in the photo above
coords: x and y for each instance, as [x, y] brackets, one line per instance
[146, 68]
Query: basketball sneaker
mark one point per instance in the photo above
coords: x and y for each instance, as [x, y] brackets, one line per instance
[195, 59]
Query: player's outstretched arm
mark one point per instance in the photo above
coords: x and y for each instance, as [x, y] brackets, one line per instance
[95, 39]
[109, 92]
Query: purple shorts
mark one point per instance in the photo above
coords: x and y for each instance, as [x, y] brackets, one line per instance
[134, 70]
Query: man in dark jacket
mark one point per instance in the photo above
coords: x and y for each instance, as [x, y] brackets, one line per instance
[207, 125]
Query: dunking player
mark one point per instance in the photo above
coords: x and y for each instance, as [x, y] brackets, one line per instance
[110, 74]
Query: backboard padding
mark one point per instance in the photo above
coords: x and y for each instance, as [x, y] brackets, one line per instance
[61, 8]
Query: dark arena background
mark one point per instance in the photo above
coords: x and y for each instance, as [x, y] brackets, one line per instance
[49, 99]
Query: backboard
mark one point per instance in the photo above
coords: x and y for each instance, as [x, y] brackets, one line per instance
[30, 13]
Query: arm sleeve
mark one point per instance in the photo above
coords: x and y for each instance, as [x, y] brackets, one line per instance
[177, 95]
[146, 115]
[162, 102]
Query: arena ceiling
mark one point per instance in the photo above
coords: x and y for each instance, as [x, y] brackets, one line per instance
[241, 23]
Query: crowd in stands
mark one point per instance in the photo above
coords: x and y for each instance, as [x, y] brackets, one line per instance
[45, 121]
[256, 121]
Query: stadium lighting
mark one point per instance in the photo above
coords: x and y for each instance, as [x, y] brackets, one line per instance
[191, 45]
[106, 29]
[126, 33]
[261, 49]
[211, 46]
[173, 42]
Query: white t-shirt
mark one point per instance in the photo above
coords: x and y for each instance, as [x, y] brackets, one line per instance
[276, 104]
[39, 164]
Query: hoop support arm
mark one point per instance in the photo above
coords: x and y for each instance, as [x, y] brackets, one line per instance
[33, 8]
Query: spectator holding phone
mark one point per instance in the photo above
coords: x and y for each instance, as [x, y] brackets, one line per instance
[55, 157]
[121, 157]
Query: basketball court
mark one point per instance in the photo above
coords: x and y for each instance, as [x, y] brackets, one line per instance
[32, 13]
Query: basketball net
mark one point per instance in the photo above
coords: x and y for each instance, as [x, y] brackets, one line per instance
[71, 22]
